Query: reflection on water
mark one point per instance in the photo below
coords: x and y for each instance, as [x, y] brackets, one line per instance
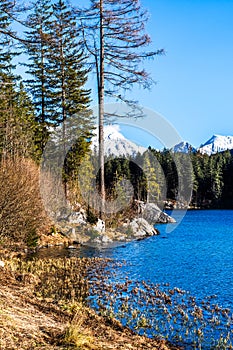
[78, 251]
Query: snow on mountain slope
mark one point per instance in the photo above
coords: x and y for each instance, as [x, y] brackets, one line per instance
[183, 147]
[116, 144]
[217, 143]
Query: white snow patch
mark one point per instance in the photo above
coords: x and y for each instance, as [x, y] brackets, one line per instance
[115, 143]
[183, 147]
[217, 143]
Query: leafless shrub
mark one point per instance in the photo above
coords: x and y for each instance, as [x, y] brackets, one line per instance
[22, 215]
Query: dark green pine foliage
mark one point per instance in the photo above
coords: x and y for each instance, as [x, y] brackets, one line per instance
[227, 194]
[7, 51]
[7, 95]
[70, 100]
[75, 156]
[68, 76]
[7, 80]
[123, 168]
[198, 176]
[185, 176]
[17, 120]
[18, 127]
[209, 177]
[170, 173]
[27, 127]
[38, 41]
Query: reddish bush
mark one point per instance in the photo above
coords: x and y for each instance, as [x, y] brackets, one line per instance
[22, 214]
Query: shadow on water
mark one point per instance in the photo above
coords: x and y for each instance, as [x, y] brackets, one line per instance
[78, 251]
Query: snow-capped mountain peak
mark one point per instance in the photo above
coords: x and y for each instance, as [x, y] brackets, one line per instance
[115, 143]
[183, 147]
[217, 143]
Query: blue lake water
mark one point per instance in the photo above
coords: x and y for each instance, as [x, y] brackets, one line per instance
[197, 256]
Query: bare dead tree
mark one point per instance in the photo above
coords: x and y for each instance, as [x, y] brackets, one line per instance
[11, 11]
[114, 36]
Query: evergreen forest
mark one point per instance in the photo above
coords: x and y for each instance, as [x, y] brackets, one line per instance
[207, 178]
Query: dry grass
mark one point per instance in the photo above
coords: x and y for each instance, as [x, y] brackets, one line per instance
[76, 334]
[28, 322]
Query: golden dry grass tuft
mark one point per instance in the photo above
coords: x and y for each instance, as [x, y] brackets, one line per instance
[76, 334]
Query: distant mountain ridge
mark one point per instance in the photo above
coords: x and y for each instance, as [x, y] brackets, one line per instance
[217, 143]
[115, 143]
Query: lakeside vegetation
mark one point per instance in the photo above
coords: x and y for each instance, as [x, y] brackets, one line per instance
[43, 304]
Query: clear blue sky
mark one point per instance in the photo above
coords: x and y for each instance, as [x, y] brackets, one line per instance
[194, 89]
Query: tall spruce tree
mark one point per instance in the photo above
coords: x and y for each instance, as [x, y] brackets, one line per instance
[7, 80]
[36, 46]
[69, 98]
[67, 73]
[56, 64]
[18, 128]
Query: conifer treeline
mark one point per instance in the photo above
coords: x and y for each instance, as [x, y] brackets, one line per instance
[209, 178]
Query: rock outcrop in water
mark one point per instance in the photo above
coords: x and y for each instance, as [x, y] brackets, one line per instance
[77, 229]
[141, 228]
[153, 214]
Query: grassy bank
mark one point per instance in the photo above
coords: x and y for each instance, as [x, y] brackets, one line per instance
[42, 306]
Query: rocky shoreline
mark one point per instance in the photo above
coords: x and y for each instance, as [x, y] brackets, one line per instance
[76, 230]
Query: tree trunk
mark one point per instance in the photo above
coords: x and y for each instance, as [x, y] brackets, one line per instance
[101, 114]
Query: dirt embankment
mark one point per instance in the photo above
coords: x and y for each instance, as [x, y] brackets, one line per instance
[28, 322]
